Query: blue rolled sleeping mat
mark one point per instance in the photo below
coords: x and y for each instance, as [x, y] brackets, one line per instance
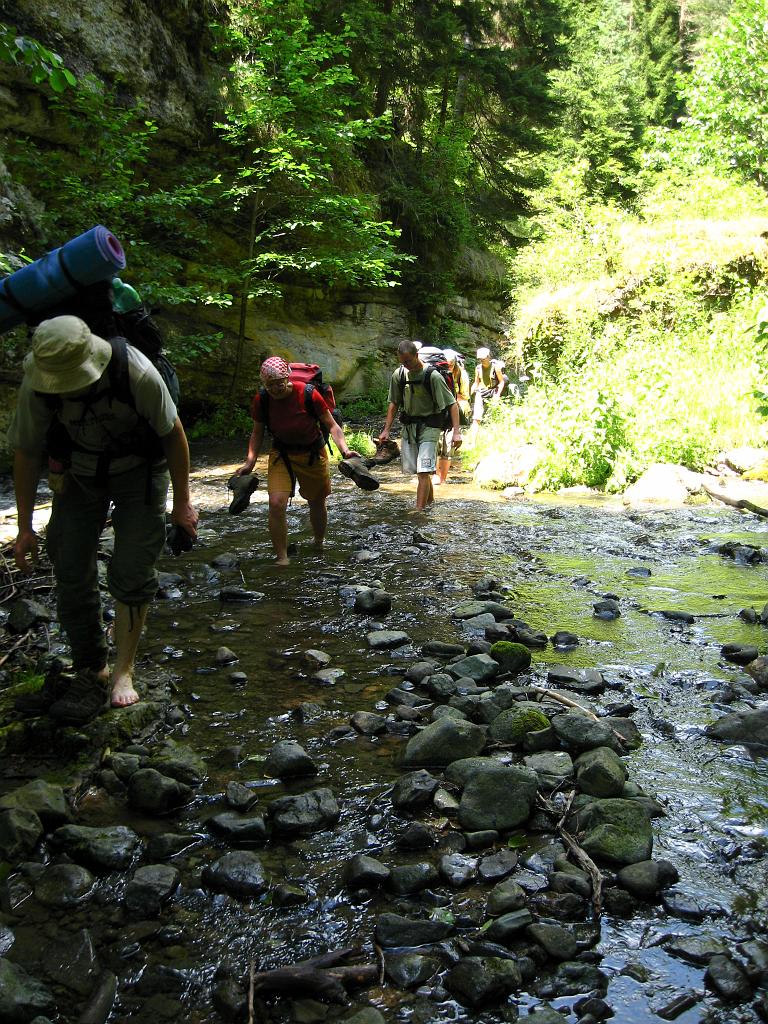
[94, 256]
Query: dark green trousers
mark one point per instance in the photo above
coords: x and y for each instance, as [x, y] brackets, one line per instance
[77, 520]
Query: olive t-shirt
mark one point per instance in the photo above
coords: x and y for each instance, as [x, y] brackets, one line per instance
[93, 426]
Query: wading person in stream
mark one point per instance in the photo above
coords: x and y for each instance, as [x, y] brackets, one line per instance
[461, 391]
[486, 387]
[109, 444]
[299, 454]
[425, 402]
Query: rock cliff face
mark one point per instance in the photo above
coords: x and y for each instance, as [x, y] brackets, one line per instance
[160, 55]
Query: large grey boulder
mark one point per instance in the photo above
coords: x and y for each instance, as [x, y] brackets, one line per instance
[238, 873]
[578, 732]
[481, 668]
[445, 740]
[22, 997]
[413, 791]
[748, 727]
[45, 799]
[501, 799]
[288, 759]
[395, 930]
[512, 725]
[111, 848]
[20, 831]
[483, 981]
[150, 888]
[600, 772]
[64, 886]
[306, 814]
[616, 831]
[552, 767]
[155, 793]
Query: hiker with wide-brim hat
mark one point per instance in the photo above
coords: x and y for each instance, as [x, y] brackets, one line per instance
[102, 464]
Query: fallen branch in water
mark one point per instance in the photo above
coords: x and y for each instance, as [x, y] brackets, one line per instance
[744, 503]
[319, 977]
[579, 853]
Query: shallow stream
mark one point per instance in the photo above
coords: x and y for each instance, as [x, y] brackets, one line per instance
[557, 557]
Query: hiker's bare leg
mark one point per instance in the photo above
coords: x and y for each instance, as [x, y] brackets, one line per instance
[129, 622]
[318, 517]
[278, 526]
[424, 493]
[441, 474]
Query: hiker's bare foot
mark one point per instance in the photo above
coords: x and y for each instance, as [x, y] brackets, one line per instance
[318, 545]
[123, 692]
[282, 560]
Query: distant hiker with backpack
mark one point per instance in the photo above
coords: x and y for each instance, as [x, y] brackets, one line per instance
[296, 415]
[487, 386]
[460, 379]
[107, 421]
[427, 407]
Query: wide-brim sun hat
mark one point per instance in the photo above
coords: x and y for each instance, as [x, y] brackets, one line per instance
[65, 356]
[483, 353]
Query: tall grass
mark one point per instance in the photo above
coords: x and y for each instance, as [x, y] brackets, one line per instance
[641, 333]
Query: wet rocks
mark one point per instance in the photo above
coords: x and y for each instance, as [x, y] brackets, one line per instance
[150, 889]
[482, 981]
[20, 831]
[239, 828]
[64, 885]
[305, 814]
[154, 793]
[740, 654]
[26, 613]
[46, 800]
[646, 878]
[557, 942]
[22, 997]
[238, 873]
[480, 668]
[364, 872]
[373, 601]
[616, 831]
[741, 727]
[111, 848]
[497, 797]
[513, 725]
[444, 741]
[288, 759]
[407, 970]
[728, 979]
[387, 639]
[396, 930]
[600, 772]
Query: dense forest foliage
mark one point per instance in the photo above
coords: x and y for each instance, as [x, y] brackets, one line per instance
[373, 143]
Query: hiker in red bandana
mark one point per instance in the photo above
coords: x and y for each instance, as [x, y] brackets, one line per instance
[299, 456]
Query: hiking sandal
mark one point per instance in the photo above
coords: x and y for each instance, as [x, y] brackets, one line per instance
[355, 470]
[242, 487]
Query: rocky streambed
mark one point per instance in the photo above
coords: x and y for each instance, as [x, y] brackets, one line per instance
[504, 760]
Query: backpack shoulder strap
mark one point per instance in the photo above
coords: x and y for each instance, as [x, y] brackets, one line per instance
[309, 405]
[264, 406]
[119, 378]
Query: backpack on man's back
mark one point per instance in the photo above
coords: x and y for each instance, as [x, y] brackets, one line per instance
[435, 361]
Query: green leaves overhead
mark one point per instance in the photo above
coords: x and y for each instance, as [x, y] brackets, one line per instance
[43, 65]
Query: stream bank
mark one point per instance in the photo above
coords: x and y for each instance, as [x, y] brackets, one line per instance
[179, 948]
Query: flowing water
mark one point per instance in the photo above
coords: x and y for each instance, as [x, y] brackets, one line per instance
[557, 557]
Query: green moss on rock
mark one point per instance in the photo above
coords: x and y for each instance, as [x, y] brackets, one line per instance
[511, 657]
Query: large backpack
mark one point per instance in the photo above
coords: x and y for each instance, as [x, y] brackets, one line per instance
[311, 376]
[139, 329]
[434, 361]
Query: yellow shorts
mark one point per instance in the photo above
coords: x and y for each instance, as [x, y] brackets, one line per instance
[314, 480]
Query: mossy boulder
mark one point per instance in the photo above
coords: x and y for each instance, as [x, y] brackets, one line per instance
[513, 658]
[514, 724]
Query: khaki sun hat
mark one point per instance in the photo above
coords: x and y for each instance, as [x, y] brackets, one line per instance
[65, 356]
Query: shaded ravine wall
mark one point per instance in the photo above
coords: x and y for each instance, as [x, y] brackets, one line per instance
[164, 61]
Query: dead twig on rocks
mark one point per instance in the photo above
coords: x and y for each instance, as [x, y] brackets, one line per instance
[14, 647]
[562, 699]
[320, 977]
[579, 854]
[251, 976]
